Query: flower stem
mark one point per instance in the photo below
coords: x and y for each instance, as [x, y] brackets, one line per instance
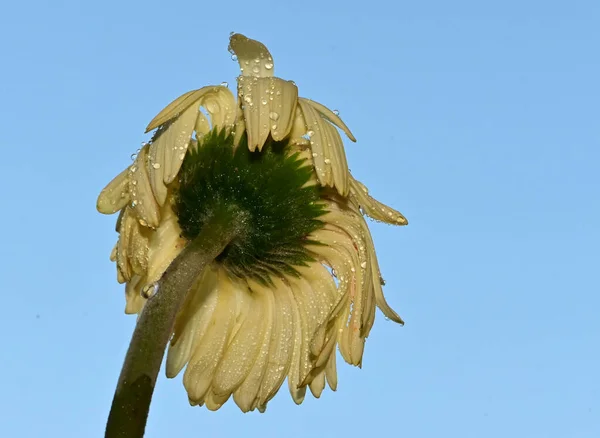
[131, 401]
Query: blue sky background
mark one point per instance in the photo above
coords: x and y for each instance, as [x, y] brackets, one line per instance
[478, 120]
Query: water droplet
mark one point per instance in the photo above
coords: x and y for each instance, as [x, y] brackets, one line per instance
[363, 265]
[263, 101]
[232, 33]
[327, 161]
[268, 65]
[310, 133]
[233, 57]
[315, 154]
[255, 69]
[156, 165]
[149, 290]
[133, 157]
[273, 115]
[224, 84]
[336, 112]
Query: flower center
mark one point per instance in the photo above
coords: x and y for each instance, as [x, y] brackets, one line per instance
[269, 187]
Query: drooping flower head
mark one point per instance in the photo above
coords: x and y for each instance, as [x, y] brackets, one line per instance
[303, 277]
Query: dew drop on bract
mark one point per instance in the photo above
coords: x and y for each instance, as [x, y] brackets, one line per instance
[336, 112]
[149, 290]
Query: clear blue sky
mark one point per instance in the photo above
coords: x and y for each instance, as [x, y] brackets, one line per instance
[478, 120]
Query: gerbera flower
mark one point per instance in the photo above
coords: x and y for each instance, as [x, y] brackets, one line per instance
[301, 277]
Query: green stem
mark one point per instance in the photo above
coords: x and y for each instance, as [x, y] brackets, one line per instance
[131, 401]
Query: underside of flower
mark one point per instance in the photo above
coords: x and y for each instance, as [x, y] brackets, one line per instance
[274, 188]
[300, 281]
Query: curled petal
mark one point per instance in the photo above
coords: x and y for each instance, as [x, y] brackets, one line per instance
[186, 100]
[254, 58]
[372, 207]
[115, 195]
[331, 117]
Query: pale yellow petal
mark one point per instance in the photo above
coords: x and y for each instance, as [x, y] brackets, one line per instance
[192, 322]
[253, 57]
[374, 208]
[283, 98]
[294, 380]
[247, 395]
[332, 117]
[318, 144]
[318, 384]
[244, 348]
[331, 372]
[220, 105]
[338, 162]
[115, 195]
[156, 170]
[253, 97]
[175, 140]
[282, 339]
[179, 105]
[143, 200]
[209, 351]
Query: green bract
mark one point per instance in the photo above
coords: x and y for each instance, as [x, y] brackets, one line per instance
[268, 187]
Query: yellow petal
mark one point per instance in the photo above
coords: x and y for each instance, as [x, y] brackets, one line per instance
[253, 57]
[243, 349]
[140, 189]
[332, 117]
[372, 207]
[318, 384]
[176, 107]
[318, 144]
[115, 195]
[192, 322]
[281, 346]
[283, 97]
[253, 97]
[207, 355]
[247, 395]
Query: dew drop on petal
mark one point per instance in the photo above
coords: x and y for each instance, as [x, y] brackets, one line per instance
[233, 57]
[336, 112]
[156, 165]
[327, 161]
[363, 265]
[269, 65]
[273, 115]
